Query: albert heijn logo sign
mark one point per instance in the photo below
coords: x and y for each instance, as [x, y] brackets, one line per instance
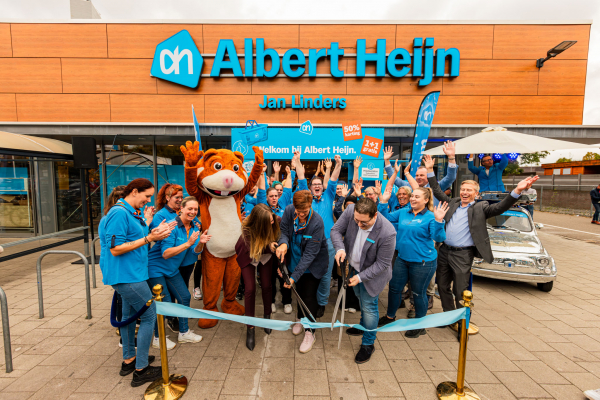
[178, 60]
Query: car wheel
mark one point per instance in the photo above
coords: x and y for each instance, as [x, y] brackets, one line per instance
[545, 287]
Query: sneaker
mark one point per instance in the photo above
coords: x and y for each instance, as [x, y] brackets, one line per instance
[273, 308]
[156, 343]
[384, 321]
[430, 305]
[121, 342]
[126, 369]
[592, 394]
[411, 312]
[354, 332]
[307, 343]
[364, 354]
[189, 337]
[351, 310]
[297, 328]
[415, 333]
[287, 308]
[197, 293]
[173, 324]
[148, 374]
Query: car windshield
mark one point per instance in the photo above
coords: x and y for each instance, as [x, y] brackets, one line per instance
[511, 220]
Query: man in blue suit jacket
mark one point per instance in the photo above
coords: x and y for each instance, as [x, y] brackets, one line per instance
[489, 174]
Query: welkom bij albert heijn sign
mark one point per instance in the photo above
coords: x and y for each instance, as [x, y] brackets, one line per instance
[178, 60]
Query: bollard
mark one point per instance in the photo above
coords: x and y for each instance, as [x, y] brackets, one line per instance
[457, 390]
[6, 332]
[86, 266]
[93, 259]
[168, 387]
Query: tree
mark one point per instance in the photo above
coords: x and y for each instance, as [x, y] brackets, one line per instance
[591, 156]
[512, 169]
[563, 160]
[533, 158]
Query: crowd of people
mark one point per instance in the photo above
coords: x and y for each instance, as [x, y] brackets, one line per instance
[309, 230]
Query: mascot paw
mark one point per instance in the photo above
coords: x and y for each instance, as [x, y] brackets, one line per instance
[207, 323]
[259, 157]
[232, 307]
[192, 153]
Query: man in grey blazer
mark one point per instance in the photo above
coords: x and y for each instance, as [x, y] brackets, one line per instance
[368, 240]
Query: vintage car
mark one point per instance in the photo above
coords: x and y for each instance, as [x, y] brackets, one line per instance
[518, 252]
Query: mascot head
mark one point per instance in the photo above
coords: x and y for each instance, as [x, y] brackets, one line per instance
[221, 173]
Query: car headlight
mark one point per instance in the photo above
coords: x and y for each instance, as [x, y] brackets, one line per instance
[543, 262]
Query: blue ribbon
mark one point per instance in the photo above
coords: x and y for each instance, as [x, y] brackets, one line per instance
[429, 321]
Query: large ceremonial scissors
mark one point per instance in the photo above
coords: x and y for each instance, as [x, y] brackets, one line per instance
[341, 297]
[286, 275]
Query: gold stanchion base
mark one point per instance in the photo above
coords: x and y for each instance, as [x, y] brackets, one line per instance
[173, 391]
[473, 329]
[447, 391]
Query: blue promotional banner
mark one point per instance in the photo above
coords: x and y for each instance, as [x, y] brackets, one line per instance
[423, 125]
[196, 128]
[315, 144]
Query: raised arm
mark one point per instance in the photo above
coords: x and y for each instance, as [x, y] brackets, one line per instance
[356, 163]
[192, 156]
[338, 167]
[327, 164]
[472, 167]
[448, 180]
[434, 185]
[256, 171]
[498, 208]
[409, 178]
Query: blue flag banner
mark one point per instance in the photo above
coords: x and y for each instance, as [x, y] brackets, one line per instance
[422, 127]
[196, 128]
[429, 321]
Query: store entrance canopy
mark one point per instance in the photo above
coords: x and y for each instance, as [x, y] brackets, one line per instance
[33, 146]
[500, 140]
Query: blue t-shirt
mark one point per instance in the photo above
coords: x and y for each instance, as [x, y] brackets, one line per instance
[158, 266]
[416, 233]
[284, 201]
[324, 206]
[247, 205]
[120, 226]
[165, 213]
[296, 252]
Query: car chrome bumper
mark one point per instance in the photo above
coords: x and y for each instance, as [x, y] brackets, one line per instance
[512, 276]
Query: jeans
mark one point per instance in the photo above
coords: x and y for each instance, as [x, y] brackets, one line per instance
[596, 216]
[323, 293]
[134, 296]
[419, 274]
[369, 311]
[177, 289]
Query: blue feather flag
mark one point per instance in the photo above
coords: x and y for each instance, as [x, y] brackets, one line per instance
[422, 128]
[196, 128]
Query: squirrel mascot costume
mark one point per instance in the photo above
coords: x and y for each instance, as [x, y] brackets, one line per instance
[219, 181]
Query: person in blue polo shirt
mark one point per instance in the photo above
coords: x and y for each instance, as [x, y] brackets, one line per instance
[166, 258]
[323, 202]
[125, 238]
[272, 198]
[489, 174]
[418, 227]
[168, 203]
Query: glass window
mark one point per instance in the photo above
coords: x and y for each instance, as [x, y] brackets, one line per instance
[68, 195]
[556, 171]
[16, 200]
[566, 171]
[511, 220]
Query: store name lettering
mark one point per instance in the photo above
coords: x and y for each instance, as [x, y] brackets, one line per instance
[304, 102]
[295, 64]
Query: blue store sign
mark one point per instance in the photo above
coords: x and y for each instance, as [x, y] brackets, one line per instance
[424, 62]
[281, 143]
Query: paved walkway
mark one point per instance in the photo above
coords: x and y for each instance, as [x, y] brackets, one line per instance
[532, 345]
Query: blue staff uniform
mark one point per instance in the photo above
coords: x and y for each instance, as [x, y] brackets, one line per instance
[324, 207]
[164, 214]
[284, 201]
[417, 257]
[127, 274]
[445, 183]
[166, 271]
[490, 180]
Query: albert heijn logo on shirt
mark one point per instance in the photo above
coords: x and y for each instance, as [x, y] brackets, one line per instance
[178, 60]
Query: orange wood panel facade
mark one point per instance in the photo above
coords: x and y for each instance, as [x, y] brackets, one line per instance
[101, 72]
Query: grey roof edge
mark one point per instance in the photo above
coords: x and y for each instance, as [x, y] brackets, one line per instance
[296, 22]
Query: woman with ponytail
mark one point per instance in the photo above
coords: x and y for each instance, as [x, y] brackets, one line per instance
[418, 227]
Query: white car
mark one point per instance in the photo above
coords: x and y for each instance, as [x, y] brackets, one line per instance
[518, 252]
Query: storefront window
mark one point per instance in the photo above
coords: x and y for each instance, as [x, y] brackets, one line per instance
[16, 200]
[68, 195]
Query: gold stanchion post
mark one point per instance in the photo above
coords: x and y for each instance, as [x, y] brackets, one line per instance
[168, 387]
[457, 390]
